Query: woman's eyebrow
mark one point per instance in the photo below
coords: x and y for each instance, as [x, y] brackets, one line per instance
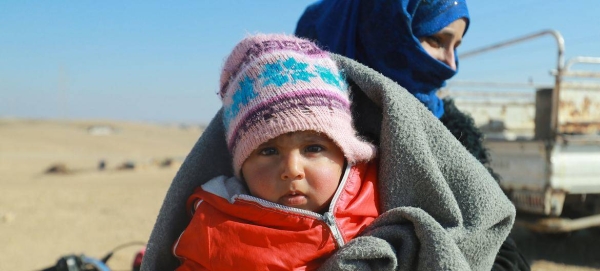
[450, 34]
[447, 32]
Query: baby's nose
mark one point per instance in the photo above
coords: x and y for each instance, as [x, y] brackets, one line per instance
[293, 168]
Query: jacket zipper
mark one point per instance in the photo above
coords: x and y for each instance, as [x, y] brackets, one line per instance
[328, 218]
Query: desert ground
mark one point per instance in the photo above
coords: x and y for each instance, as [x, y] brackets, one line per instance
[84, 210]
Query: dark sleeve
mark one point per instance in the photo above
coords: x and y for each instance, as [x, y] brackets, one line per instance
[509, 258]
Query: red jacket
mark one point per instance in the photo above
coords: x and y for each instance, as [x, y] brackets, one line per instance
[233, 231]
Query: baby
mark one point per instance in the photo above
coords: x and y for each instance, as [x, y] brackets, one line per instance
[304, 181]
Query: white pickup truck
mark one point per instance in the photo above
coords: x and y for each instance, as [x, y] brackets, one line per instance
[545, 143]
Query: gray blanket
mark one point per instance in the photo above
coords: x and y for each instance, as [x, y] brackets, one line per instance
[442, 209]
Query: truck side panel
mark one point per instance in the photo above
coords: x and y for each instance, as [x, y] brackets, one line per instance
[576, 167]
[520, 164]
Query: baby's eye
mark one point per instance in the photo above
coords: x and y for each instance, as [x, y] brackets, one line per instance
[268, 151]
[315, 148]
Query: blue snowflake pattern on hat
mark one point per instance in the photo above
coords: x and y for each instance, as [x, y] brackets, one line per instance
[331, 78]
[280, 72]
[241, 97]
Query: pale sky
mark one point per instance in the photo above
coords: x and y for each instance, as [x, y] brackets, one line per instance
[159, 61]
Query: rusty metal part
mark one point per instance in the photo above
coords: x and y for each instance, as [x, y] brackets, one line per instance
[579, 111]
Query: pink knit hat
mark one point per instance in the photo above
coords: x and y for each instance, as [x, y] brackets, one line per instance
[276, 84]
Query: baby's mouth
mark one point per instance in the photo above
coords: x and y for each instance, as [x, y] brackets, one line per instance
[293, 199]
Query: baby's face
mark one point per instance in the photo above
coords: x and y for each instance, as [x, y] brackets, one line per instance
[299, 169]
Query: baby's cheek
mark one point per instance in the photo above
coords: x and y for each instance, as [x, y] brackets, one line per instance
[326, 179]
[260, 181]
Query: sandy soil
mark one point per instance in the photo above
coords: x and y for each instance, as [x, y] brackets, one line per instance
[44, 216]
[87, 211]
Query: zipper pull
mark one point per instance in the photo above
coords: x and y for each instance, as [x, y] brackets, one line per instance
[329, 219]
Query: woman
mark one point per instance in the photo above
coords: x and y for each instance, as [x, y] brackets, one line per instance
[412, 42]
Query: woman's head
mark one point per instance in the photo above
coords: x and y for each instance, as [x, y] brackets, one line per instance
[440, 25]
[386, 35]
[442, 44]
[276, 84]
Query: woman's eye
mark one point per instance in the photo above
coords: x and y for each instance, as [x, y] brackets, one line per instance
[268, 151]
[434, 41]
[315, 148]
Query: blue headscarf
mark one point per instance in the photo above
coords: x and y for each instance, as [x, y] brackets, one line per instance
[384, 35]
